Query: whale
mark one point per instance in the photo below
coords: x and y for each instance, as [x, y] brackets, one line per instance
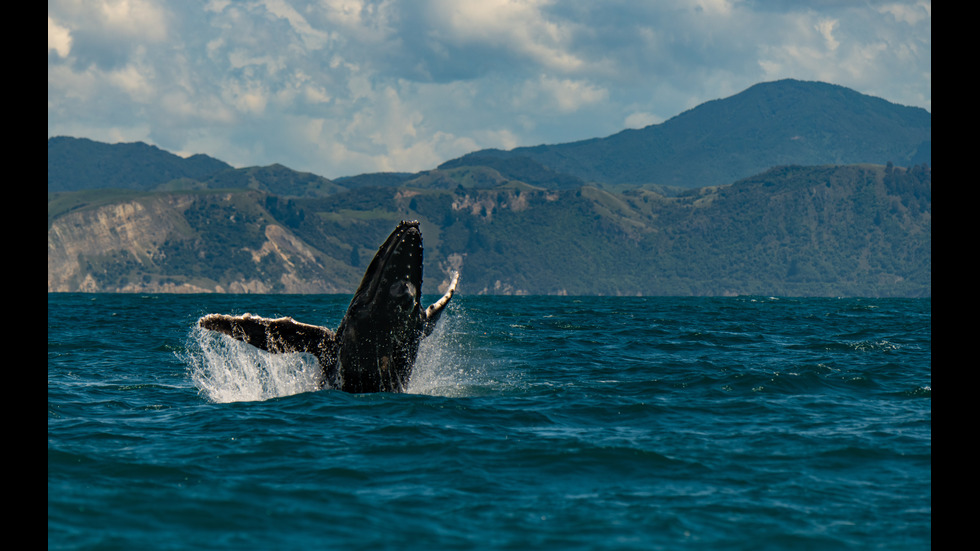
[376, 344]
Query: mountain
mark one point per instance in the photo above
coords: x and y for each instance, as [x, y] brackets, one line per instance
[375, 179]
[79, 163]
[275, 179]
[770, 124]
[614, 216]
[860, 230]
[76, 164]
[785, 122]
[517, 168]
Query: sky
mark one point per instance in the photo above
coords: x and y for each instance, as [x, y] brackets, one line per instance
[346, 87]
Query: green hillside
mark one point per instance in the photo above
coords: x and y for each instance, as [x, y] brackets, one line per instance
[860, 230]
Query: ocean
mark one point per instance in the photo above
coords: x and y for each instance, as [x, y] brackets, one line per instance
[742, 423]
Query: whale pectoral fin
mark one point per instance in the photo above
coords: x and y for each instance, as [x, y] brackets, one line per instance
[433, 312]
[272, 335]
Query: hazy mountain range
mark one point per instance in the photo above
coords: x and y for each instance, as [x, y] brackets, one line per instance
[788, 188]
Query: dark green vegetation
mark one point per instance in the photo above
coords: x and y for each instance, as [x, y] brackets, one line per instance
[522, 223]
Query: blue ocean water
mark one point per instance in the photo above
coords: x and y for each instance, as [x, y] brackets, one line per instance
[532, 423]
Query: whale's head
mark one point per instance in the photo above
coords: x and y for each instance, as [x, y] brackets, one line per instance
[393, 280]
[383, 326]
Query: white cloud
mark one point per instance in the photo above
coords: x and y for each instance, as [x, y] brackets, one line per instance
[245, 98]
[640, 119]
[59, 38]
[313, 39]
[912, 14]
[715, 7]
[522, 29]
[826, 28]
[340, 87]
[564, 95]
[135, 18]
[135, 81]
[348, 13]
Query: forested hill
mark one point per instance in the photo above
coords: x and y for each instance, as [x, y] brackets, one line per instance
[861, 230]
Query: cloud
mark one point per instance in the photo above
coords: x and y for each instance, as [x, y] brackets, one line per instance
[313, 39]
[59, 39]
[141, 19]
[909, 13]
[826, 28]
[521, 30]
[341, 87]
[558, 94]
[641, 119]
[855, 48]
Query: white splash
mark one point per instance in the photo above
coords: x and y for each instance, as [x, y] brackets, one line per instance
[447, 366]
[438, 368]
[225, 370]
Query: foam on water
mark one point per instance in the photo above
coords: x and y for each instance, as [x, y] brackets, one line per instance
[443, 366]
[225, 370]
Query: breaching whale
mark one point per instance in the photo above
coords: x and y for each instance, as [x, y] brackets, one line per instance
[375, 346]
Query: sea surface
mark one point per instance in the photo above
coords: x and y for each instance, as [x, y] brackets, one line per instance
[533, 423]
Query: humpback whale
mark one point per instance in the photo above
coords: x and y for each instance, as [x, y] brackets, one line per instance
[375, 346]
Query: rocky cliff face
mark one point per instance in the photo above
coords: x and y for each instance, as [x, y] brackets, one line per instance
[134, 228]
[860, 230]
[134, 245]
